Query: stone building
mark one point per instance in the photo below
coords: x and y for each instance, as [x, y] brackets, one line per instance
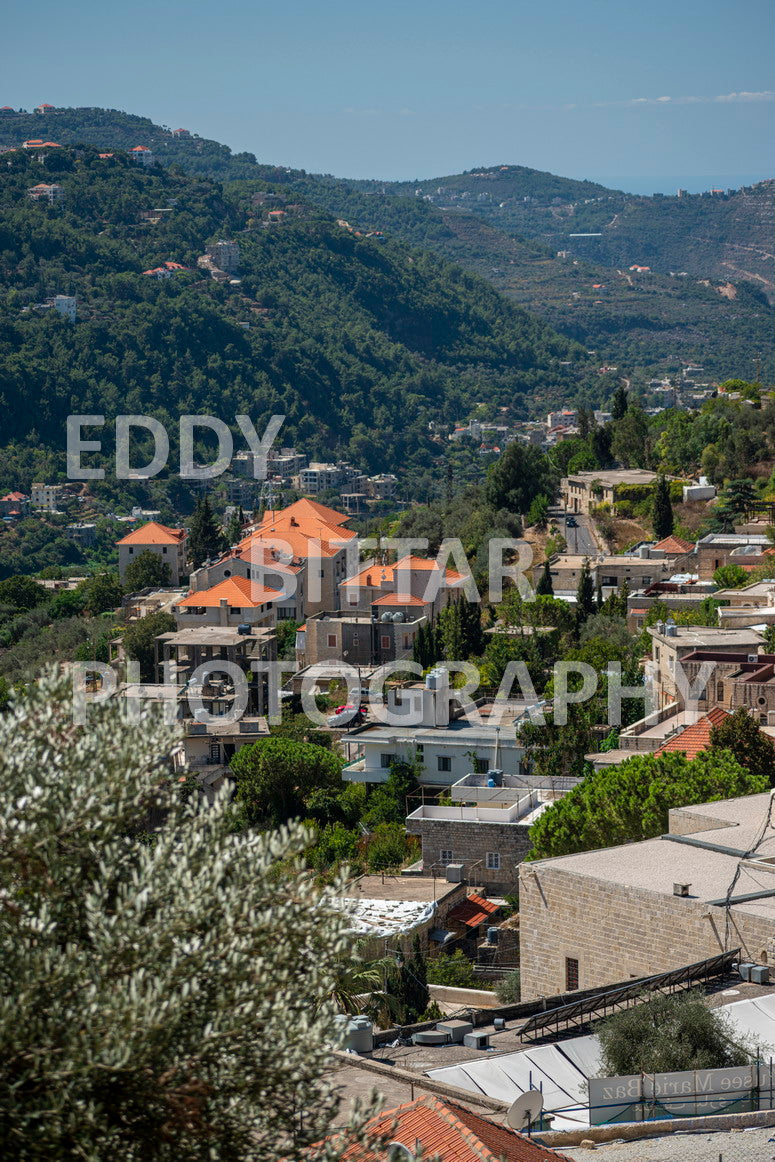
[599, 917]
[166, 543]
[486, 841]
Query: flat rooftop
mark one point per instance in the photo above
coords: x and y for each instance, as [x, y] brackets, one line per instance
[614, 476]
[654, 865]
[386, 887]
[701, 636]
[216, 635]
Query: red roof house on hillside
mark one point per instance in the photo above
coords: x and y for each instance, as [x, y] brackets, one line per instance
[166, 543]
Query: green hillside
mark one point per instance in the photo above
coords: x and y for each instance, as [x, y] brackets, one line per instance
[359, 341]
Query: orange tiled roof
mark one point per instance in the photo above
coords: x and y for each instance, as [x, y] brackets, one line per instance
[301, 544]
[397, 599]
[695, 738]
[306, 509]
[673, 544]
[473, 911]
[239, 592]
[153, 533]
[405, 565]
[451, 1133]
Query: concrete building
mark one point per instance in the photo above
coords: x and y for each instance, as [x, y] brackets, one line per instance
[584, 491]
[46, 496]
[166, 543]
[413, 583]
[225, 255]
[608, 570]
[142, 155]
[748, 550]
[671, 643]
[599, 917]
[314, 536]
[46, 193]
[66, 306]
[360, 639]
[236, 601]
[83, 533]
[14, 504]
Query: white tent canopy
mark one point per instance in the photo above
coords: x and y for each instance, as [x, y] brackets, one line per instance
[561, 1070]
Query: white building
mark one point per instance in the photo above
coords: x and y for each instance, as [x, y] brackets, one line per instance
[423, 727]
[65, 305]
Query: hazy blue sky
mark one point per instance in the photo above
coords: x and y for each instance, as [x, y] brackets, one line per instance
[655, 91]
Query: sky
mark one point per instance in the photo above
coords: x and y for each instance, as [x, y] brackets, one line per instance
[639, 96]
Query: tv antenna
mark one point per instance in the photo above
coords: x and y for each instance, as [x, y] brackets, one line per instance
[524, 1111]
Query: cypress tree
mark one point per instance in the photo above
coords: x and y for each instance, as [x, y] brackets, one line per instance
[620, 402]
[585, 594]
[662, 510]
[544, 588]
[205, 539]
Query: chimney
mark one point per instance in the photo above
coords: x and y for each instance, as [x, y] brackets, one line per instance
[223, 612]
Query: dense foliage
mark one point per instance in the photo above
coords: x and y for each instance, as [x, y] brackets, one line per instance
[161, 991]
[631, 801]
[666, 1034]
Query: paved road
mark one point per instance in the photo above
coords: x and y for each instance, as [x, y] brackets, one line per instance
[753, 1145]
[581, 540]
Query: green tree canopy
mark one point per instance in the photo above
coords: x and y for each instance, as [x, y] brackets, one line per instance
[275, 776]
[22, 592]
[631, 801]
[668, 1034]
[741, 736]
[164, 994]
[145, 571]
[521, 474]
[205, 539]
[139, 638]
[730, 576]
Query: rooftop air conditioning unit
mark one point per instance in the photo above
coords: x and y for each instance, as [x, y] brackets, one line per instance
[681, 889]
[454, 873]
[753, 657]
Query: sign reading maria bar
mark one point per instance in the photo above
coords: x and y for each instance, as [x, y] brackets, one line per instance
[692, 1093]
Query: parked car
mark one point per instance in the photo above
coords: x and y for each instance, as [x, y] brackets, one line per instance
[571, 522]
[346, 716]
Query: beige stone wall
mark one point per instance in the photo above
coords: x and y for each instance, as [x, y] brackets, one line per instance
[470, 842]
[616, 932]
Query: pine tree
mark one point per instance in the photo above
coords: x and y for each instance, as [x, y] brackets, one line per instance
[662, 510]
[544, 588]
[451, 632]
[205, 539]
[471, 627]
[599, 597]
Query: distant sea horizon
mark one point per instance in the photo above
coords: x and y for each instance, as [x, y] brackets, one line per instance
[670, 184]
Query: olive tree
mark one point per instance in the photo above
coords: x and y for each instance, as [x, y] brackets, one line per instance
[166, 980]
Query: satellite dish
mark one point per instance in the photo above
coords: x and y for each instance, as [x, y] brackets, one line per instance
[525, 1109]
[398, 1152]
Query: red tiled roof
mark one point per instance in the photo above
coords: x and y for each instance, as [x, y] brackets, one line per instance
[153, 533]
[451, 1133]
[472, 912]
[305, 509]
[140, 149]
[239, 592]
[694, 739]
[14, 496]
[673, 544]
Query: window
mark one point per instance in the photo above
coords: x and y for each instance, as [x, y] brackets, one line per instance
[446, 856]
[493, 861]
[164, 550]
[215, 752]
[444, 763]
[481, 766]
[720, 691]
[385, 640]
[571, 974]
[332, 640]
[386, 761]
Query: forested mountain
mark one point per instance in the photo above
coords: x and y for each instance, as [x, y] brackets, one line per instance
[359, 341]
[507, 223]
